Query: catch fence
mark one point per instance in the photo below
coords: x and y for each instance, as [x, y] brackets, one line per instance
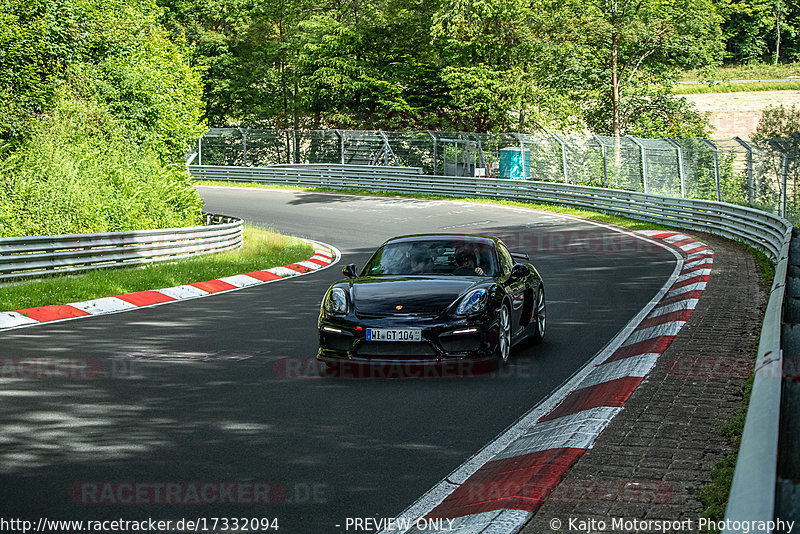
[760, 174]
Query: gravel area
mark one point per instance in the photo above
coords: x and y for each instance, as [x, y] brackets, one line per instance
[737, 114]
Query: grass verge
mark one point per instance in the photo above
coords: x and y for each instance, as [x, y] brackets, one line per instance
[703, 88]
[714, 495]
[262, 249]
[752, 71]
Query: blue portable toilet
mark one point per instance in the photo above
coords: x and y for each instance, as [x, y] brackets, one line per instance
[511, 167]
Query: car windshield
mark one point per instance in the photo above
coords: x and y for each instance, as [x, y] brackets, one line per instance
[433, 257]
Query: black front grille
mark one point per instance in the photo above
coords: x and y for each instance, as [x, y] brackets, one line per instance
[394, 350]
[461, 342]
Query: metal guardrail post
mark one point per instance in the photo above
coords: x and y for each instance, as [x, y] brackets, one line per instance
[715, 152]
[563, 157]
[435, 154]
[244, 146]
[605, 161]
[681, 175]
[784, 173]
[750, 187]
[341, 145]
[387, 150]
[644, 161]
[522, 155]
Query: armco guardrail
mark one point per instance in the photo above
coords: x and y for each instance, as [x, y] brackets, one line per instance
[759, 229]
[36, 256]
[752, 496]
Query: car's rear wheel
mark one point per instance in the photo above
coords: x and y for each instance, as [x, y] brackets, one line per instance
[504, 336]
[539, 316]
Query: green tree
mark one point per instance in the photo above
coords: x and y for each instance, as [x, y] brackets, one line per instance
[121, 53]
[490, 51]
[760, 30]
[620, 49]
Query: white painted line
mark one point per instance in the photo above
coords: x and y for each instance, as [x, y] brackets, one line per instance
[666, 329]
[310, 264]
[575, 431]
[494, 522]
[698, 286]
[183, 292]
[691, 258]
[240, 280]
[692, 274]
[12, 319]
[686, 304]
[637, 366]
[676, 238]
[103, 305]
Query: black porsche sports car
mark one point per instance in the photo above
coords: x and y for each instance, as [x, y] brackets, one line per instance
[433, 298]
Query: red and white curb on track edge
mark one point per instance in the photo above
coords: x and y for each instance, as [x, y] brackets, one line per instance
[324, 256]
[499, 488]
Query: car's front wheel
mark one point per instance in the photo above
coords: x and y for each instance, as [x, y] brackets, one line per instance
[504, 335]
[539, 316]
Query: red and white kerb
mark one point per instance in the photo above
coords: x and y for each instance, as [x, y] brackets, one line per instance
[324, 256]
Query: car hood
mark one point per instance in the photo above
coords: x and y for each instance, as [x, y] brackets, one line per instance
[414, 296]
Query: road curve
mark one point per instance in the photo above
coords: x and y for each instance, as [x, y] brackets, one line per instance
[218, 390]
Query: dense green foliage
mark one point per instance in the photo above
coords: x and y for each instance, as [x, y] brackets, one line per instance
[478, 65]
[77, 171]
[761, 30]
[98, 104]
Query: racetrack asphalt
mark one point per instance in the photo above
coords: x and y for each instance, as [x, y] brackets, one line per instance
[219, 389]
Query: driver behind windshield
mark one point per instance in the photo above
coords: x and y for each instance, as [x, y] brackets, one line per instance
[467, 266]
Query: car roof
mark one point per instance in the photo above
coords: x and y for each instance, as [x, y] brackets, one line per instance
[469, 238]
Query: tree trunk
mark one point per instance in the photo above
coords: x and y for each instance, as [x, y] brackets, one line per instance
[615, 125]
[777, 33]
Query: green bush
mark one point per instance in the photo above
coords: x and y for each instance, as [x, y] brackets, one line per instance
[98, 106]
[77, 172]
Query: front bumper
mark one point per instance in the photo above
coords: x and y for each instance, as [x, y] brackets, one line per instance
[472, 339]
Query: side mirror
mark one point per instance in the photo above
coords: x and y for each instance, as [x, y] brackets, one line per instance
[349, 270]
[519, 271]
[520, 256]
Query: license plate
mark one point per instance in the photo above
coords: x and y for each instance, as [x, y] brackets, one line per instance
[394, 334]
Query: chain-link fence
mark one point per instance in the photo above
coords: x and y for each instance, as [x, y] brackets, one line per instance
[761, 174]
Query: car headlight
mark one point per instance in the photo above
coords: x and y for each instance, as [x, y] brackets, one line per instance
[336, 301]
[473, 302]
